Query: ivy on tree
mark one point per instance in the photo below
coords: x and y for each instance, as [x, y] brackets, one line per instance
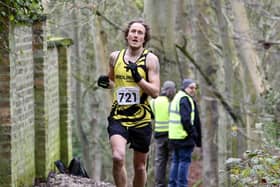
[21, 11]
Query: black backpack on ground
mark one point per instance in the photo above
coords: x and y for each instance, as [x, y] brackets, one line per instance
[75, 167]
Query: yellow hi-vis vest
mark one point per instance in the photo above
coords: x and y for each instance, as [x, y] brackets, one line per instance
[160, 108]
[176, 129]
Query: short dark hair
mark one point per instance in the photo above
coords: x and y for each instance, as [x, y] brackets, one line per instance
[147, 30]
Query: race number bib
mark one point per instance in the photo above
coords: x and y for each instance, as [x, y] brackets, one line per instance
[128, 95]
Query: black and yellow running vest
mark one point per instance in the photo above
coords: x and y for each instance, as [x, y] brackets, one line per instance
[130, 104]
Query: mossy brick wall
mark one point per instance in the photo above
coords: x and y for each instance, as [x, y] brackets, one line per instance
[52, 96]
[5, 108]
[18, 128]
[65, 112]
[22, 106]
[46, 103]
[35, 125]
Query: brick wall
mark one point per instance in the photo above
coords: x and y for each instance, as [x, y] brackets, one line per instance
[34, 124]
[46, 103]
[65, 99]
[5, 110]
[21, 105]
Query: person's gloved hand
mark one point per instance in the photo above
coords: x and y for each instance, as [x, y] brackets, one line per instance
[103, 81]
[134, 72]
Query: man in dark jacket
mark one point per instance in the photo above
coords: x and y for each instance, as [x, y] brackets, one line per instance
[184, 132]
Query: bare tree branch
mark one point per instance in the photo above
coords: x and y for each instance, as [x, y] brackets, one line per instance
[235, 117]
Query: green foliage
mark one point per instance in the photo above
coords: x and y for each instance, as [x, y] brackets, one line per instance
[271, 127]
[272, 133]
[140, 4]
[271, 99]
[257, 168]
[18, 11]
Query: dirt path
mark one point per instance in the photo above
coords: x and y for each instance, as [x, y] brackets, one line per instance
[64, 180]
[195, 173]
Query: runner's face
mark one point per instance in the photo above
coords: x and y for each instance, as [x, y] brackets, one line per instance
[136, 35]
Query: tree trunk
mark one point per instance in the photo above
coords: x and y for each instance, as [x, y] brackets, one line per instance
[160, 16]
[209, 108]
[101, 98]
[252, 71]
[248, 53]
[229, 59]
[78, 89]
[182, 33]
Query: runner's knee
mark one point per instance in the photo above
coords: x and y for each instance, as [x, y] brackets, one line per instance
[118, 158]
[140, 168]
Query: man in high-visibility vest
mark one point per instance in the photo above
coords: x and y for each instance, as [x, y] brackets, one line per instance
[160, 108]
[184, 132]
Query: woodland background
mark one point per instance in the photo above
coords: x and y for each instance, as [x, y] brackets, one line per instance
[230, 47]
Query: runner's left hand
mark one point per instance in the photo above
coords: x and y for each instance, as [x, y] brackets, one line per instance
[134, 71]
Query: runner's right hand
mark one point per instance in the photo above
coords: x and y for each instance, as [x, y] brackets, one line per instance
[103, 81]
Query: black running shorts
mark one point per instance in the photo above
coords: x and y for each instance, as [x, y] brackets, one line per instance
[138, 138]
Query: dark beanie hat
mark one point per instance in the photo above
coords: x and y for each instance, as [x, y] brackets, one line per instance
[186, 83]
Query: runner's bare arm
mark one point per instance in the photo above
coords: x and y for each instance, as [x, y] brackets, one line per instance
[112, 60]
[152, 86]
